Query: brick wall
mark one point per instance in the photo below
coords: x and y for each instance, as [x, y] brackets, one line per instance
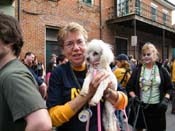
[37, 14]
[160, 9]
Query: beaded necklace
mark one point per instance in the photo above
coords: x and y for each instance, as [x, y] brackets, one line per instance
[152, 79]
[152, 76]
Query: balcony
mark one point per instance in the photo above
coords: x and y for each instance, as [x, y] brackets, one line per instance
[139, 10]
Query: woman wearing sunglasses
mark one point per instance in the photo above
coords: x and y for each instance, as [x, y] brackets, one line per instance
[149, 87]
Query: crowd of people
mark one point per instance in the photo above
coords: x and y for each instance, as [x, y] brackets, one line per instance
[145, 87]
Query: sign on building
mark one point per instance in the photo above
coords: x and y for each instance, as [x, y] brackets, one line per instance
[133, 40]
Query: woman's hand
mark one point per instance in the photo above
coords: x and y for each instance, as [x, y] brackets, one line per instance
[77, 103]
[100, 76]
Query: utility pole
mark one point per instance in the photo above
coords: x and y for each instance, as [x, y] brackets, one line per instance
[100, 19]
[19, 11]
[163, 45]
[135, 36]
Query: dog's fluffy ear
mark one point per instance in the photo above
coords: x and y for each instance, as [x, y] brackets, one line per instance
[107, 55]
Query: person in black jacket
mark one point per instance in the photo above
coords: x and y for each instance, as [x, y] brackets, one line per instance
[149, 87]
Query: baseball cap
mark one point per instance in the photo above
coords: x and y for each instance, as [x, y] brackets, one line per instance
[122, 57]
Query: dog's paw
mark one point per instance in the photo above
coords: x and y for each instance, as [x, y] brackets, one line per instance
[92, 103]
[83, 92]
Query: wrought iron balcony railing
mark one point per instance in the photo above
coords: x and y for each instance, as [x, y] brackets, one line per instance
[141, 9]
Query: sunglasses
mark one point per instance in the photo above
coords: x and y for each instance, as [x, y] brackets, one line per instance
[147, 54]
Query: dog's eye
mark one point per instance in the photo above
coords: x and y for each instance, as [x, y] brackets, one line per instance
[95, 53]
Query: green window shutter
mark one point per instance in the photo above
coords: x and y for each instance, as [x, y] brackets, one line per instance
[153, 13]
[88, 1]
[126, 6]
[138, 7]
[173, 52]
[164, 18]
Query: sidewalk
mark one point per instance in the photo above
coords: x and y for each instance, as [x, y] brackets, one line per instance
[170, 120]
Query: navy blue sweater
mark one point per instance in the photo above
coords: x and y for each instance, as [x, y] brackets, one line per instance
[64, 86]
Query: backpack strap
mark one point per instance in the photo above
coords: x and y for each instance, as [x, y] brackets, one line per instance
[124, 76]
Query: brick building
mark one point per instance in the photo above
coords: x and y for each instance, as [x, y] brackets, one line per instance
[41, 19]
[113, 21]
[135, 22]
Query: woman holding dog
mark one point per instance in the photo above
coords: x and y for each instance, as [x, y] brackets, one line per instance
[150, 87]
[68, 110]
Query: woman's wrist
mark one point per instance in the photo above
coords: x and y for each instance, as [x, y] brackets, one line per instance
[107, 93]
[112, 96]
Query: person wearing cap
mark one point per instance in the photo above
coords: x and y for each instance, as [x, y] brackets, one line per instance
[122, 73]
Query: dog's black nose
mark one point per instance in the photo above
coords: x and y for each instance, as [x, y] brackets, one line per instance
[88, 59]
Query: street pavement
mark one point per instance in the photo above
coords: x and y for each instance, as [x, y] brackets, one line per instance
[170, 119]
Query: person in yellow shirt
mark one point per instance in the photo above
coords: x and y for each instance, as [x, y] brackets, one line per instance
[173, 80]
[123, 71]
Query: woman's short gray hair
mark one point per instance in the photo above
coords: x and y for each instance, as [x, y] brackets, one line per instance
[71, 27]
[150, 46]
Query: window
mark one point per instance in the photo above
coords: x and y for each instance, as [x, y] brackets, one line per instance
[153, 12]
[122, 7]
[121, 46]
[138, 7]
[53, 0]
[126, 7]
[88, 1]
[173, 52]
[165, 16]
[7, 7]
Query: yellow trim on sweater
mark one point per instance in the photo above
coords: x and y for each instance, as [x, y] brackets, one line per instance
[79, 68]
[61, 114]
[122, 101]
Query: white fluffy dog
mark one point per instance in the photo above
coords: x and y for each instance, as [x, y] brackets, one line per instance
[99, 56]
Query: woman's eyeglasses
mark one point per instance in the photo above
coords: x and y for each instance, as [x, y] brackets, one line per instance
[147, 54]
[71, 44]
